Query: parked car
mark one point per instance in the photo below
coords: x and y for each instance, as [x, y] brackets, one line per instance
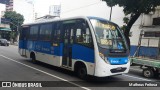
[4, 42]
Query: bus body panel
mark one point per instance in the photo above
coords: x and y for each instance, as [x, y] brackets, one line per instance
[83, 53]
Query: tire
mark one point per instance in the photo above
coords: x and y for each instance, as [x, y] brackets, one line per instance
[149, 73]
[156, 74]
[33, 58]
[82, 72]
[5, 44]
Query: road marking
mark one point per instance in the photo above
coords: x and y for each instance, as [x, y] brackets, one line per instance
[136, 77]
[46, 73]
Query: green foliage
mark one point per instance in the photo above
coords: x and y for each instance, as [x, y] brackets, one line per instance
[125, 20]
[135, 6]
[16, 19]
[13, 35]
[123, 28]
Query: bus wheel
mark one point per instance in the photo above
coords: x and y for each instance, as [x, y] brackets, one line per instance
[33, 57]
[82, 72]
[148, 72]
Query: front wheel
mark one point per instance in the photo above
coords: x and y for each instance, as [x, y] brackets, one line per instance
[149, 73]
[82, 72]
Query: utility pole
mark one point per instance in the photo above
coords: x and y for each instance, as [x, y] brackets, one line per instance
[111, 12]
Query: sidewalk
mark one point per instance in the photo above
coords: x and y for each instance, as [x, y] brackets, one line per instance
[15, 43]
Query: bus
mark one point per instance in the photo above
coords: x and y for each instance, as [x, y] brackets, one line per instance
[86, 45]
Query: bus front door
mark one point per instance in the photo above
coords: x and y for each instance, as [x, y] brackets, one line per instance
[67, 48]
[24, 42]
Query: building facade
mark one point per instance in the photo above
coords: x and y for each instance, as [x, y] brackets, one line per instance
[4, 26]
[149, 23]
[4, 1]
[55, 10]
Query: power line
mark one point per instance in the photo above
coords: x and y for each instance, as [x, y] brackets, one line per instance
[81, 7]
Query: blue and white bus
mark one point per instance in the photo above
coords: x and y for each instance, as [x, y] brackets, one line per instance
[86, 45]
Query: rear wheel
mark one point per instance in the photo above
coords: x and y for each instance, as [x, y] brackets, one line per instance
[148, 72]
[33, 57]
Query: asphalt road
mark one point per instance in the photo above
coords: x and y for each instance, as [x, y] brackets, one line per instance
[13, 67]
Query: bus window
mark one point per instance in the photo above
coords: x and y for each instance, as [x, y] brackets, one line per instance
[23, 33]
[83, 35]
[33, 34]
[56, 33]
[45, 32]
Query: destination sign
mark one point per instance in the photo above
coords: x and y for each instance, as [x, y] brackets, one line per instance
[106, 26]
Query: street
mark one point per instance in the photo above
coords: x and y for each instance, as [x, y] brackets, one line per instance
[13, 67]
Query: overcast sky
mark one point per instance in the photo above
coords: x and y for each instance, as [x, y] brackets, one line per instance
[71, 8]
[42, 6]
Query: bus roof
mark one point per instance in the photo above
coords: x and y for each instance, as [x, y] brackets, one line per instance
[61, 19]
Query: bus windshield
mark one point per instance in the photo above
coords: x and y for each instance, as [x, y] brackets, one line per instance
[108, 35]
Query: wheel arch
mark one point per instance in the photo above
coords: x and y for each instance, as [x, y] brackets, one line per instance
[32, 53]
[78, 64]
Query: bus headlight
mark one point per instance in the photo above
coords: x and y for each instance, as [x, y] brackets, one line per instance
[103, 57]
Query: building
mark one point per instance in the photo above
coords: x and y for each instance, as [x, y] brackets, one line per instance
[4, 1]
[55, 10]
[4, 26]
[150, 23]
[24, 7]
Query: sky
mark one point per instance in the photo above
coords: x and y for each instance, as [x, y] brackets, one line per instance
[42, 6]
[70, 8]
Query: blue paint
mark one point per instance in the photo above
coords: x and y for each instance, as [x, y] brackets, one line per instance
[145, 51]
[83, 53]
[133, 50]
[78, 51]
[58, 50]
[22, 44]
[117, 60]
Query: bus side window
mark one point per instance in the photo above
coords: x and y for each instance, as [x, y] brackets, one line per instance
[83, 35]
[33, 33]
[45, 32]
[23, 33]
[56, 34]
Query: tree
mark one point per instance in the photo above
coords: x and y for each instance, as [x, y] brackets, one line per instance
[15, 20]
[133, 8]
